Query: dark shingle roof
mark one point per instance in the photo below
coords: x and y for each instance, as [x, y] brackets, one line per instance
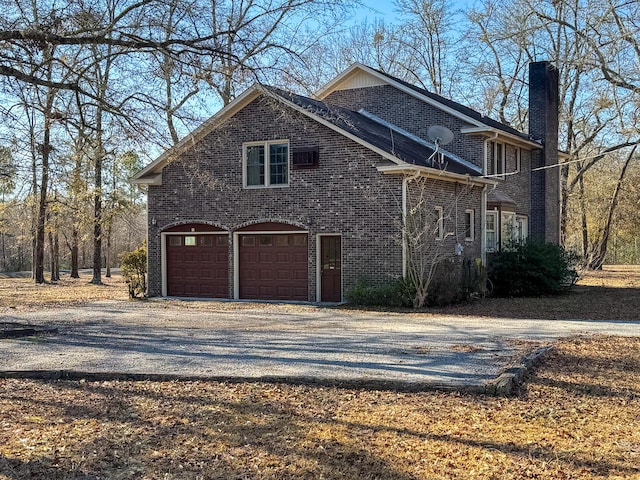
[376, 134]
[469, 112]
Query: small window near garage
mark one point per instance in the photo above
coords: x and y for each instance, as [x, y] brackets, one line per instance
[265, 240]
[305, 158]
[282, 240]
[248, 241]
[206, 241]
[175, 241]
[222, 240]
[468, 225]
[190, 241]
[300, 240]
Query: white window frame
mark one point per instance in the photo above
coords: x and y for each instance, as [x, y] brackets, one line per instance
[493, 160]
[439, 223]
[522, 226]
[494, 247]
[471, 213]
[267, 163]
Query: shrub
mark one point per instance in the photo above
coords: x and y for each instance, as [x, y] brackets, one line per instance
[134, 270]
[398, 293]
[532, 268]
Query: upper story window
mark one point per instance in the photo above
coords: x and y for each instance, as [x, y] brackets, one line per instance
[266, 164]
[496, 155]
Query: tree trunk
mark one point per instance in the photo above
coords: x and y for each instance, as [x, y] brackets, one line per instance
[108, 252]
[44, 176]
[599, 251]
[74, 253]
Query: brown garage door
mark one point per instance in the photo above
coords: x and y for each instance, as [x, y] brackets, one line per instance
[274, 267]
[197, 265]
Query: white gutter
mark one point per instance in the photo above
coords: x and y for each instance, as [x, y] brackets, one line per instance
[434, 173]
[497, 132]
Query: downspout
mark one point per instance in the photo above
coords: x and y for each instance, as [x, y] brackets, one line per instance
[483, 225]
[405, 180]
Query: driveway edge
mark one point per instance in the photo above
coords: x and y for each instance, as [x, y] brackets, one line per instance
[507, 383]
[504, 384]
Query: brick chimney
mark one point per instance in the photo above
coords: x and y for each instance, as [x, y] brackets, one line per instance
[544, 223]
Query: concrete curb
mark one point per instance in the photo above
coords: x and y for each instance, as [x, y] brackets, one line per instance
[503, 385]
[506, 384]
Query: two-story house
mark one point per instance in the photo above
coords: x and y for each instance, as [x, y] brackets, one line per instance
[284, 197]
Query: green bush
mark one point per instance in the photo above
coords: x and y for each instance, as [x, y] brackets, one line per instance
[531, 268]
[398, 293]
[134, 270]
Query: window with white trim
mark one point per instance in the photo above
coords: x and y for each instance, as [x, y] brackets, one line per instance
[439, 216]
[496, 158]
[469, 215]
[266, 164]
[514, 228]
[492, 231]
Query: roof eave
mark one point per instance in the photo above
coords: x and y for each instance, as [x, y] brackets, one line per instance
[491, 132]
[147, 180]
[435, 173]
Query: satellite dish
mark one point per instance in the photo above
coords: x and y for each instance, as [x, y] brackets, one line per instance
[440, 135]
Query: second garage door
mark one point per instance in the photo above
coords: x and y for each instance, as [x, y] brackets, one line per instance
[274, 267]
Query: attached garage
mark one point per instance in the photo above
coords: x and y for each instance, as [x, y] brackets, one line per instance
[197, 262]
[274, 265]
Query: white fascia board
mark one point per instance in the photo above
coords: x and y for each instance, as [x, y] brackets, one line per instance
[148, 180]
[207, 127]
[502, 135]
[337, 129]
[328, 88]
[434, 173]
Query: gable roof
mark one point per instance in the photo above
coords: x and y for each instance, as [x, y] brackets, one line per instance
[392, 144]
[359, 75]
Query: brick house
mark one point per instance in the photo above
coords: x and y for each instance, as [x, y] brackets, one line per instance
[280, 196]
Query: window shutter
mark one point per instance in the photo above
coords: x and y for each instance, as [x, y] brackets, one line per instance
[307, 157]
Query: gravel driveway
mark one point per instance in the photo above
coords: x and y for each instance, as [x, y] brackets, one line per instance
[298, 343]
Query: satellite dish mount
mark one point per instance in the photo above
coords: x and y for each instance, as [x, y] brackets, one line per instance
[439, 135]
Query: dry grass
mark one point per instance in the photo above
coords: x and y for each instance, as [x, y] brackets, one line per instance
[579, 417]
[24, 294]
[613, 293]
[610, 294]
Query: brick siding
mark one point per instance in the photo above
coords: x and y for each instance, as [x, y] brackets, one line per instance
[345, 195]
